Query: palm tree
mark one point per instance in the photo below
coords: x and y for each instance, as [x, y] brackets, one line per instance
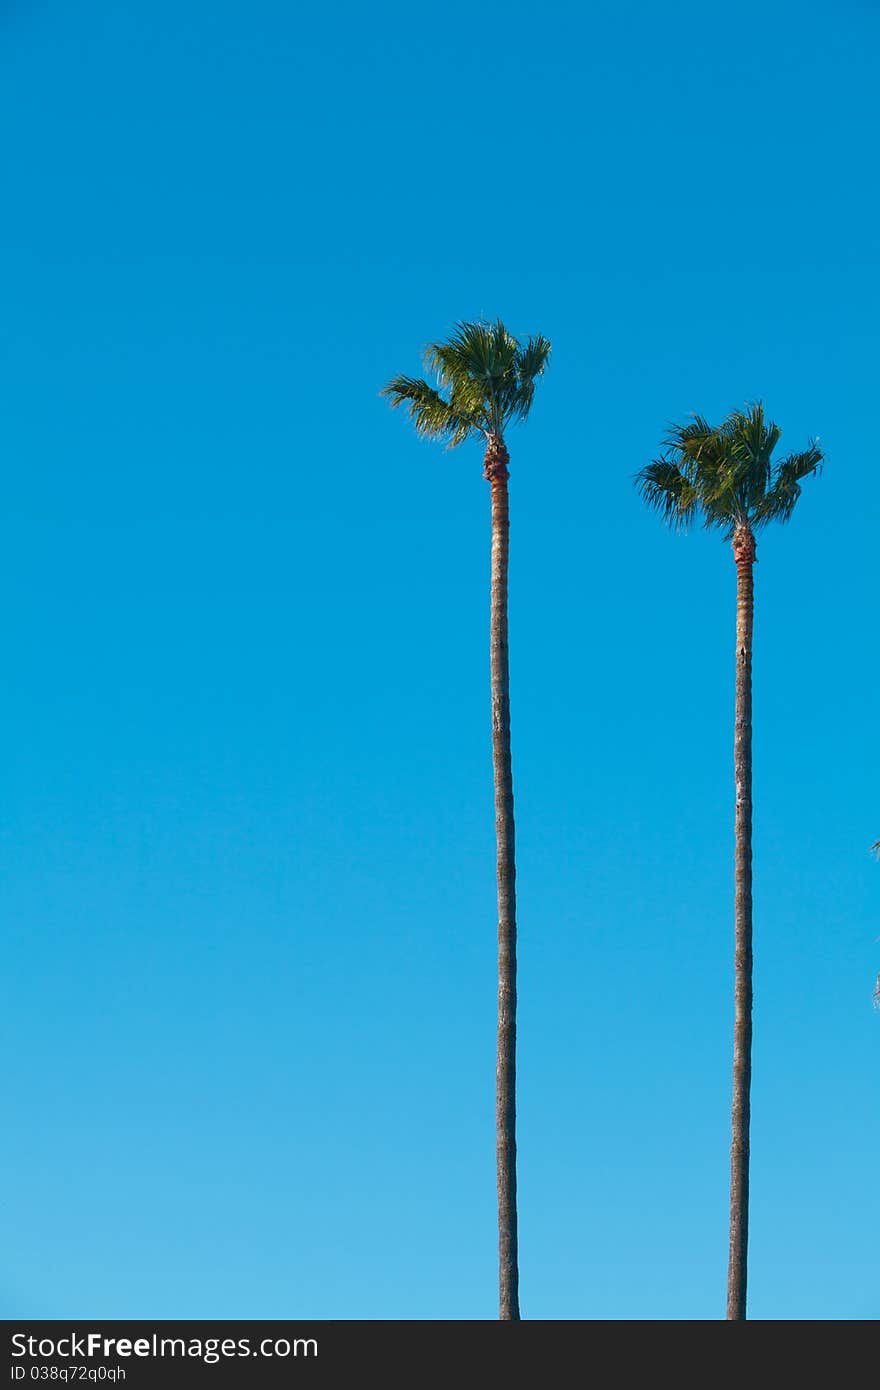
[485, 381]
[726, 477]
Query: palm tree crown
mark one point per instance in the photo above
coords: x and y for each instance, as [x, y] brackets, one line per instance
[726, 474]
[485, 380]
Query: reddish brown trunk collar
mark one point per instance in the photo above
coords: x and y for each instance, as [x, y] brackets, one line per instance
[495, 461]
[744, 548]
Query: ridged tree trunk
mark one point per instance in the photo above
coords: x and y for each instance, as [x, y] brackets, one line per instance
[744, 555]
[495, 470]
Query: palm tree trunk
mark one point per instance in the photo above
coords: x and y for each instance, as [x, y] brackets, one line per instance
[744, 555]
[495, 470]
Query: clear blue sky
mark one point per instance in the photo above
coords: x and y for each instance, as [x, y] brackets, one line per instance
[246, 830]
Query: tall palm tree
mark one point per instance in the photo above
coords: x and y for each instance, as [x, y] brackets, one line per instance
[726, 477]
[485, 381]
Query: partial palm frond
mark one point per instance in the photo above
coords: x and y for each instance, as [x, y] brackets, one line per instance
[532, 358]
[433, 417]
[483, 352]
[750, 440]
[668, 490]
[691, 439]
[530, 362]
[779, 501]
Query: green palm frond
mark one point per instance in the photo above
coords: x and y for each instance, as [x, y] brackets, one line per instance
[479, 351]
[485, 380]
[530, 362]
[532, 358]
[478, 362]
[700, 451]
[779, 501]
[668, 490]
[433, 417]
[691, 439]
[748, 440]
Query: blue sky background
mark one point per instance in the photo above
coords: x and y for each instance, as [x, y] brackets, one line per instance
[246, 831]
